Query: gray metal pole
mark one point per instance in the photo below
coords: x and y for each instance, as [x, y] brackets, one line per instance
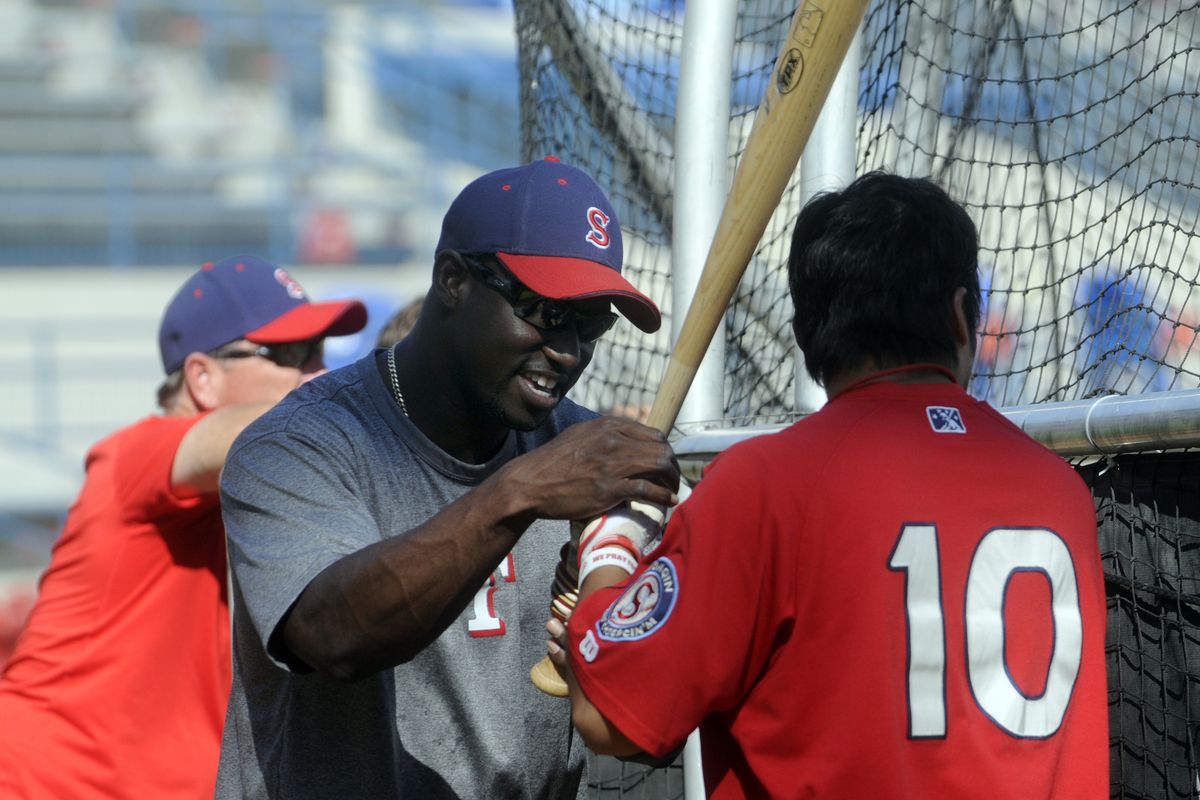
[701, 180]
[1113, 423]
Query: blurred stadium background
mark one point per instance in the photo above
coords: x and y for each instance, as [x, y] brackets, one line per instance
[140, 138]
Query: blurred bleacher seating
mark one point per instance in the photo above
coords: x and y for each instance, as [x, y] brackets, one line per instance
[150, 132]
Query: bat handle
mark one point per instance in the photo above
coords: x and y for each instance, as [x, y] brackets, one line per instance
[546, 678]
[635, 524]
[564, 592]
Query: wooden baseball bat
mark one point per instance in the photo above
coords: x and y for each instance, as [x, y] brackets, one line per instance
[807, 65]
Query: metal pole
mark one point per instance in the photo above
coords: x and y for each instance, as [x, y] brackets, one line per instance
[829, 162]
[350, 120]
[1113, 423]
[1103, 425]
[701, 180]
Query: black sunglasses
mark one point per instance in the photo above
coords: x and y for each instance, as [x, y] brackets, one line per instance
[285, 354]
[541, 312]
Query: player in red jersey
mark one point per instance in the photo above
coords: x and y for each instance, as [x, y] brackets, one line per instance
[900, 595]
[118, 684]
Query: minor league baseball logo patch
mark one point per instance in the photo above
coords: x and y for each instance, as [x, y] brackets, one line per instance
[644, 606]
[944, 419]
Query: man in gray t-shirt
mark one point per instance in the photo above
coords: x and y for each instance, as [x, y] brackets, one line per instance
[394, 526]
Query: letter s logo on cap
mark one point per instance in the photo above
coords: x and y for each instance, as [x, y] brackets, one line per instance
[294, 289]
[598, 220]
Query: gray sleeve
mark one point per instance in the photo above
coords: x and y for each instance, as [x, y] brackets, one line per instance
[291, 507]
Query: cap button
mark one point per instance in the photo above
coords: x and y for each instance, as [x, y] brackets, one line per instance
[551, 158]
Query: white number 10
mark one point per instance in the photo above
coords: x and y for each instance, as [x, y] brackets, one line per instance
[1000, 554]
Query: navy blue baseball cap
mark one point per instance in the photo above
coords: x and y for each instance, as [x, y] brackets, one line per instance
[552, 227]
[245, 297]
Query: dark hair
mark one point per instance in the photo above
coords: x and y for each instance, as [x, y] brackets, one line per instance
[872, 274]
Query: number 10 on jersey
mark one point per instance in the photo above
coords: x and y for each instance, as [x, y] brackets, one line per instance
[1000, 554]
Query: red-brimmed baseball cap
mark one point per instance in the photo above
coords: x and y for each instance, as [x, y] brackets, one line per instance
[246, 297]
[553, 229]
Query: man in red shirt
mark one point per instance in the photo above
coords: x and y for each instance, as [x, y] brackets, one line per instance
[118, 684]
[898, 596]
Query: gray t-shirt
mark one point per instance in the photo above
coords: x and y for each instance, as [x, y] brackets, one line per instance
[333, 468]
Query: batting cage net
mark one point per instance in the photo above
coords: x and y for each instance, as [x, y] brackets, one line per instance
[1148, 507]
[1067, 130]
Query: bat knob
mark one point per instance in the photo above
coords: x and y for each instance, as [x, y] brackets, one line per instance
[546, 678]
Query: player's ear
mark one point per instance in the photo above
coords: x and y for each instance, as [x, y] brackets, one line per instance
[964, 337]
[202, 380]
[959, 317]
[451, 279]
[961, 330]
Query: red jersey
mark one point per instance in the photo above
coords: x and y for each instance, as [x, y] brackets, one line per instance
[899, 596]
[118, 684]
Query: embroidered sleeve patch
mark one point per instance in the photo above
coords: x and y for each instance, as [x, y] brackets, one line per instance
[644, 606]
[945, 419]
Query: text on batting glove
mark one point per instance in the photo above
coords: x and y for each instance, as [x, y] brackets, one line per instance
[618, 538]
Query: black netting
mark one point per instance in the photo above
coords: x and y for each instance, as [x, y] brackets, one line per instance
[612, 779]
[1066, 130]
[1148, 508]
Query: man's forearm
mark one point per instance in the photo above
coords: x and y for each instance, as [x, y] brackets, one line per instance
[196, 468]
[384, 604]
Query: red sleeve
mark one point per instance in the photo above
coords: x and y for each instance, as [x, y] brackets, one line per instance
[688, 634]
[142, 457]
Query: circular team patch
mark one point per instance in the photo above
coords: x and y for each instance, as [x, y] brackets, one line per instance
[644, 606]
